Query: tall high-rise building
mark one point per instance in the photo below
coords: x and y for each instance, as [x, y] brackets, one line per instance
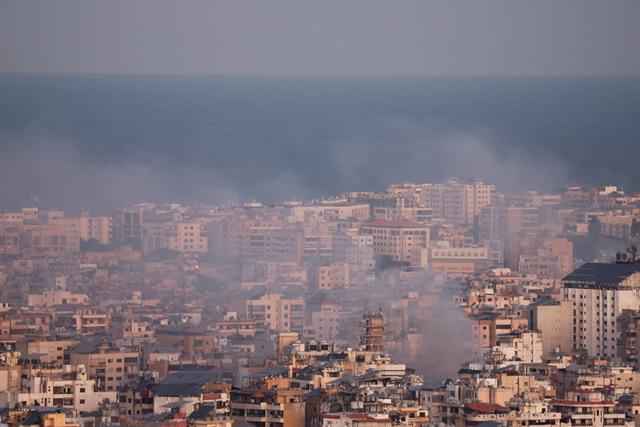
[598, 293]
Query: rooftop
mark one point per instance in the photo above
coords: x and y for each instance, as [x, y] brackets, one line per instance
[602, 273]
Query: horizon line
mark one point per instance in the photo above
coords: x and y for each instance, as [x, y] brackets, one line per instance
[328, 75]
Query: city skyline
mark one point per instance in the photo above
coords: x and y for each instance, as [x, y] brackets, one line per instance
[358, 213]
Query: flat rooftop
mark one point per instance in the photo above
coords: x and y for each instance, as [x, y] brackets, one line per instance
[602, 273]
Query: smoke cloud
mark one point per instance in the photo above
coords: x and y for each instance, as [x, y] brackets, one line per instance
[100, 141]
[62, 175]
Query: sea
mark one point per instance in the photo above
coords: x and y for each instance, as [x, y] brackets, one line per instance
[99, 141]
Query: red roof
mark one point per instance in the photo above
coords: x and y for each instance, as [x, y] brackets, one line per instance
[484, 407]
[395, 224]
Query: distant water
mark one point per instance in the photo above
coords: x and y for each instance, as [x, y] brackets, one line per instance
[206, 138]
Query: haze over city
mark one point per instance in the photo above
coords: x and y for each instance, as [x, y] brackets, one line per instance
[280, 213]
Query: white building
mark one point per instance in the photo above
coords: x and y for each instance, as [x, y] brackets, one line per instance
[598, 293]
[69, 389]
[525, 346]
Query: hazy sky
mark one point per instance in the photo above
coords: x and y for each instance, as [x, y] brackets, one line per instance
[322, 37]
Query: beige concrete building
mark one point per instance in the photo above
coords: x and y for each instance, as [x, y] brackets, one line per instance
[188, 236]
[414, 213]
[598, 293]
[403, 242]
[619, 226]
[459, 260]
[51, 240]
[128, 223]
[272, 408]
[10, 238]
[110, 368]
[455, 202]
[48, 351]
[324, 319]
[525, 346]
[331, 211]
[501, 222]
[155, 235]
[553, 320]
[242, 237]
[354, 248]
[50, 298]
[548, 257]
[330, 276]
[95, 227]
[277, 312]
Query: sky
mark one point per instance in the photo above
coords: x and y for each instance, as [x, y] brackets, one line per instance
[328, 37]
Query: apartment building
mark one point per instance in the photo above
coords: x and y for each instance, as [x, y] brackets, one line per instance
[242, 237]
[128, 223]
[523, 345]
[589, 408]
[155, 235]
[501, 222]
[550, 256]
[330, 276]
[189, 341]
[403, 242]
[53, 240]
[10, 240]
[331, 211]
[109, 367]
[67, 388]
[232, 327]
[455, 202]
[459, 260]
[618, 226]
[95, 228]
[322, 317]
[553, 319]
[402, 213]
[277, 312]
[598, 293]
[48, 351]
[355, 249]
[188, 236]
[50, 298]
[277, 408]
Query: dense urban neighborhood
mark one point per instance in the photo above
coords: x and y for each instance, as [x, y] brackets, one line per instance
[429, 304]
